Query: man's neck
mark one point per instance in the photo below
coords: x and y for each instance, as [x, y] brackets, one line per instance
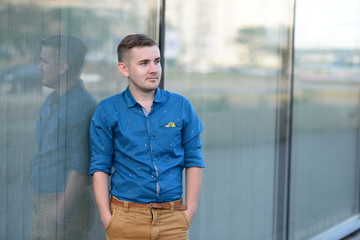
[145, 99]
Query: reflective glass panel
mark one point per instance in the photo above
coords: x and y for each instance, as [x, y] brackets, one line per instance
[224, 56]
[45, 109]
[324, 174]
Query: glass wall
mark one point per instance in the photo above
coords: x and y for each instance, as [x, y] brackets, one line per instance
[228, 57]
[325, 145]
[43, 132]
[280, 114]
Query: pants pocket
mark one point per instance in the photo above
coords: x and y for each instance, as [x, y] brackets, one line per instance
[113, 214]
[185, 218]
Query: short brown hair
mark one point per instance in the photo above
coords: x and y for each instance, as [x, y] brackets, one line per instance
[131, 41]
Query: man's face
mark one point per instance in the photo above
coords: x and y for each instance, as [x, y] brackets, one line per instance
[143, 68]
[49, 67]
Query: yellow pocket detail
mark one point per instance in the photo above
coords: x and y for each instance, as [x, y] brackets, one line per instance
[170, 124]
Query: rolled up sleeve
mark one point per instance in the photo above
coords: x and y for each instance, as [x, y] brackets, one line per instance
[192, 141]
[193, 153]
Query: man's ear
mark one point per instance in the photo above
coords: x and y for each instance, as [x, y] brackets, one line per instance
[64, 66]
[123, 69]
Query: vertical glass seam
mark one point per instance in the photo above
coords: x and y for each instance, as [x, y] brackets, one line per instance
[162, 11]
[283, 132]
[291, 116]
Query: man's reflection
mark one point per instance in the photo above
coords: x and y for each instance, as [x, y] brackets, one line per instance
[62, 202]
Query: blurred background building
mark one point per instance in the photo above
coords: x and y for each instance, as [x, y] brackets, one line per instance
[276, 84]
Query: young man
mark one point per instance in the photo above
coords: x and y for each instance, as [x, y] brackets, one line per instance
[144, 138]
[62, 199]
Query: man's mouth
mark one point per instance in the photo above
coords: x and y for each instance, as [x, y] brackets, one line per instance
[153, 78]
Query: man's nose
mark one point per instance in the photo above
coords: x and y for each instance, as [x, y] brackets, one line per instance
[154, 67]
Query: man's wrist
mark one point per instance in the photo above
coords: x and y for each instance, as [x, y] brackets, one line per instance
[105, 218]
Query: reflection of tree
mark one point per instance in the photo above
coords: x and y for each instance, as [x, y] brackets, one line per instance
[19, 29]
[84, 23]
[22, 26]
[260, 41]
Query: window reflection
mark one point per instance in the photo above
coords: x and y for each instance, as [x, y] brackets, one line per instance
[324, 189]
[227, 58]
[31, 109]
[63, 207]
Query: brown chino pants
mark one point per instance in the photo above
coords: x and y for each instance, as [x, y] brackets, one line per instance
[146, 223]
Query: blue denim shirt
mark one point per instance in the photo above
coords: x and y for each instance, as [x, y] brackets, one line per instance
[145, 153]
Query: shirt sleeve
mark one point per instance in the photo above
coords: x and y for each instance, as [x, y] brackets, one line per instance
[191, 139]
[101, 142]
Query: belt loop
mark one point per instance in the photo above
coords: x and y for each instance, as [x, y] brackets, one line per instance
[126, 206]
[172, 204]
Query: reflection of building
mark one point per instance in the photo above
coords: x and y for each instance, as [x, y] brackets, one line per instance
[102, 24]
[104, 4]
[328, 65]
[210, 28]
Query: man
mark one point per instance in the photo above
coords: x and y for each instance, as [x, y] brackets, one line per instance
[62, 202]
[145, 137]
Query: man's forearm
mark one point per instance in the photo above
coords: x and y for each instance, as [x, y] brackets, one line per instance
[193, 185]
[102, 197]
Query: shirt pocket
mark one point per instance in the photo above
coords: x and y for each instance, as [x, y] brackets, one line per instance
[170, 132]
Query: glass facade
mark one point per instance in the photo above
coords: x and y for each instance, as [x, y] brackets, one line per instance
[229, 63]
[325, 144]
[275, 85]
[33, 133]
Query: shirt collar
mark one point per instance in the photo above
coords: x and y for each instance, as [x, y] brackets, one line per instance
[131, 102]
